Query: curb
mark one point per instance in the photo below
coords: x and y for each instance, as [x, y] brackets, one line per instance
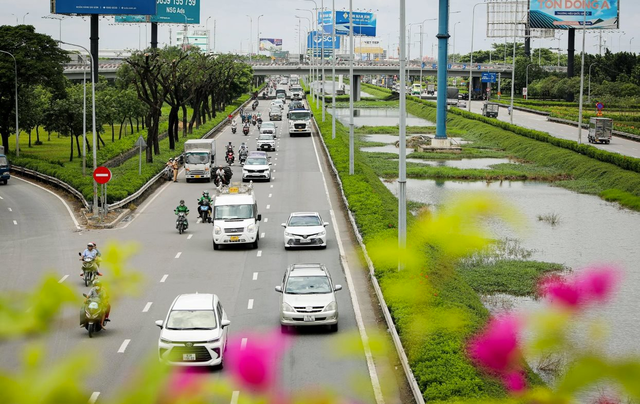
[111, 225]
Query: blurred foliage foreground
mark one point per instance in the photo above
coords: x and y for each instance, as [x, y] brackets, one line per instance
[434, 241]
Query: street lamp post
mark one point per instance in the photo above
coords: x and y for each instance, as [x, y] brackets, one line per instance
[631, 40]
[93, 119]
[206, 27]
[402, 180]
[16, 18]
[353, 85]
[23, 17]
[453, 54]
[333, 70]
[527, 80]
[185, 35]
[584, 30]
[311, 54]
[15, 65]
[258, 35]
[473, 20]
[589, 96]
[312, 59]
[59, 18]
[322, 62]
[421, 46]
[84, 117]
[317, 71]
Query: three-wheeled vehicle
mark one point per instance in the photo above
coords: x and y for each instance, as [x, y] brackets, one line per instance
[600, 130]
[490, 110]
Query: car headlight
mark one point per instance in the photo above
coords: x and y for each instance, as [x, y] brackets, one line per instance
[331, 306]
[288, 234]
[165, 341]
[251, 228]
[206, 169]
[287, 307]
[212, 341]
[217, 230]
[187, 169]
[322, 233]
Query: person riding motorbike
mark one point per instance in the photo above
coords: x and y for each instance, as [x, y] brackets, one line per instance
[182, 208]
[233, 126]
[220, 176]
[205, 197]
[97, 292]
[229, 147]
[90, 252]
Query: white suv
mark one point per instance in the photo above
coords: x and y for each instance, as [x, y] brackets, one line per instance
[308, 297]
[194, 333]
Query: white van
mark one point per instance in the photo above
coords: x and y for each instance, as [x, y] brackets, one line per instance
[235, 216]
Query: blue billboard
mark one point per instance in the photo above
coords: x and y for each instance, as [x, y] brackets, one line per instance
[570, 14]
[169, 11]
[489, 77]
[316, 39]
[106, 7]
[364, 24]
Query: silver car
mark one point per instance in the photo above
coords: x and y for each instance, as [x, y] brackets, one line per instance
[308, 297]
[305, 229]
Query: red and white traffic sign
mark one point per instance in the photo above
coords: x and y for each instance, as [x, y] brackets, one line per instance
[102, 175]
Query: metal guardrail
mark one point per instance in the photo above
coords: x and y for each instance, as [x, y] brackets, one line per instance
[413, 384]
[51, 180]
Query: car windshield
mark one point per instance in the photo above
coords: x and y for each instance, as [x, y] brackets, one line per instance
[3, 161]
[197, 158]
[265, 137]
[299, 116]
[268, 125]
[308, 285]
[256, 161]
[301, 221]
[275, 110]
[192, 320]
[230, 212]
[296, 89]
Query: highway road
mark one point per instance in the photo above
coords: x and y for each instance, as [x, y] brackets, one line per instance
[172, 264]
[529, 120]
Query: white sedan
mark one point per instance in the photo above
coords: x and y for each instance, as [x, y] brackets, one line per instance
[305, 229]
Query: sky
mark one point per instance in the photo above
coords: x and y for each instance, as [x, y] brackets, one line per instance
[233, 28]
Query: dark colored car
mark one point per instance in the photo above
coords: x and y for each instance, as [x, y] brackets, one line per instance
[4, 169]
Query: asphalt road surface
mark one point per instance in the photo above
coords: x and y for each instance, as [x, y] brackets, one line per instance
[45, 237]
[529, 120]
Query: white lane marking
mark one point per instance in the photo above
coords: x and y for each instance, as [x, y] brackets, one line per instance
[75, 222]
[199, 220]
[255, 276]
[270, 195]
[276, 158]
[250, 305]
[271, 185]
[273, 177]
[14, 222]
[276, 155]
[266, 219]
[63, 279]
[147, 307]
[94, 397]
[243, 343]
[189, 237]
[274, 171]
[268, 207]
[373, 373]
[179, 254]
[164, 278]
[1, 197]
[234, 397]
[138, 213]
[261, 235]
[275, 164]
[124, 345]
[259, 253]
[10, 210]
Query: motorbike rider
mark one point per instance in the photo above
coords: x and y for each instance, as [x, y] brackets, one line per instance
[183, 208]
[220, 173]
[98, 292]
[205, 197]
[90, 252]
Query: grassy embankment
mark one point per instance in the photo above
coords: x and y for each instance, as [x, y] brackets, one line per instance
[438, 359]
[125, 179]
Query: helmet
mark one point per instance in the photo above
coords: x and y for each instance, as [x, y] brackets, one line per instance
[205, 193]
[90, 244]
[181, 201]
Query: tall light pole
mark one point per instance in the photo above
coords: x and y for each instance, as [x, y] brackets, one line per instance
[317, 71]
[206, 27]
[527, 80]
[584, 30]
[15, 65]
[353, 85]
[402, 180]
[453, 54]
[631, 40]
[93, 119]
[250, 35]
[473, 21]
[589, 96]
[258, 35]
[421, 46]
[333, 69]
[84, 116]
[23, 17]
[312, 57]
[324, 107]
[311, 54]
[513, 63]
[16, 18]
[59, 18]
[185, 35]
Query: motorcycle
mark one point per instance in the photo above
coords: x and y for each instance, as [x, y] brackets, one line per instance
[243, 158]
[259, 120]
[233, 129]
[167, 173]
[245, 129]
[254, 106]
[204, 209]
[229, 158]
[89, 270]
[91, 316]
[181, 222]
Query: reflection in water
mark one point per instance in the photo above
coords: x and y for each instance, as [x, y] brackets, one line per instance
[378, 117]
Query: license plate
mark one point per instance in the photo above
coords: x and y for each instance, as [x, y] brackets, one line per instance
[234, 238]
[303, 241]
[309, 319]
[189, 357]
[197, 176]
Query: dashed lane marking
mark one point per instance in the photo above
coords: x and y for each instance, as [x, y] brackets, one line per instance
[266, 219]
[270, 195]
[234, 397]
[10, 210]
[147, 307]
[255, 276]
[14, 222]
[63, 279]
[259, 253]
[268, 206]
[243, 343]
[189, 237]
[179, 254]
[164, 278]
[271, 185]
[250, 305]
[94, 397]
[261, 235]
[124, 345]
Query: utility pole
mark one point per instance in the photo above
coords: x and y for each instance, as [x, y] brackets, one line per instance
[402, 180]
[351, 95]
[333, 70]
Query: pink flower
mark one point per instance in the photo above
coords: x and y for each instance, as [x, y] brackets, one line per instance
[184, 382]
[496, 349]
[514, 382]
[562, 291]
[254, 363]
[590, 285]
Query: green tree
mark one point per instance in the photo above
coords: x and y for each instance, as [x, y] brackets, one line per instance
[34, 102]
[39, 61]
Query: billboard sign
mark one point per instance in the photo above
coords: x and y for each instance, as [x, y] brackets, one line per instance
[270, 44]
[105, 7]
[565, 14]
[489, 77]
[364, 24]
[316, 39]
[169, 11]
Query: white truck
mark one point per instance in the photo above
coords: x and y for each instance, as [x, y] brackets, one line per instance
[296, 92]
[299, 122]
[235, 216]
[199, 159]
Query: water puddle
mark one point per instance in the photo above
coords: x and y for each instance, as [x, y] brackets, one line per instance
[378, 117]
[467, 164]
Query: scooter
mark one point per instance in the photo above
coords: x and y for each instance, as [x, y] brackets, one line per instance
[243, 158]
[245, 129]
[233, 129]
[89, 270]
[92, 315]
[205, 211]
[181, 222]
[229, 158]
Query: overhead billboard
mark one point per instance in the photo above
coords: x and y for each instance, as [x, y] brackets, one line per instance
[322, 41]
[170, 12]
[364, 24]
[270, 44]
[565, 14]
[105, 7]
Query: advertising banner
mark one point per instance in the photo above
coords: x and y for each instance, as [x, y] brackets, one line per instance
[169, 11]
[270, 44]
[565, 14]
[364, 24]
[105, 7]
[315, 40]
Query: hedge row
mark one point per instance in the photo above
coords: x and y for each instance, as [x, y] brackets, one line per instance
[126, 180]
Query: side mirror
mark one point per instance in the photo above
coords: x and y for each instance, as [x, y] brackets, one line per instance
[259, 217]
[84, 294]
[159, 323]
[225, 323]
[337, 287]
[270, 163]
[283, 224]
[279, 289]
[325, 224]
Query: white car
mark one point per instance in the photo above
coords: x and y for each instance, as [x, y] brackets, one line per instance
[266, 142]
[268, 128]
[194, 333]
[278, 102]
[462, 104]
[256, 167]
[305, 229]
